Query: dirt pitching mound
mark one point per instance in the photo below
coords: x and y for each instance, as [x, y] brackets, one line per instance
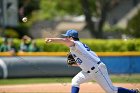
[59, 88]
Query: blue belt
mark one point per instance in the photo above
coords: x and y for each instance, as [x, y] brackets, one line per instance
[92, 68]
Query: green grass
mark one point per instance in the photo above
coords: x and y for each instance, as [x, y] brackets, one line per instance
[114, 78]
[126, 78]
[35, 80]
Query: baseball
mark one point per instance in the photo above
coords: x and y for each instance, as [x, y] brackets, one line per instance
[24, 19]
[49, 40]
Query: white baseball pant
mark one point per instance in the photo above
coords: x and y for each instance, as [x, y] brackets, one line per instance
[100, 75]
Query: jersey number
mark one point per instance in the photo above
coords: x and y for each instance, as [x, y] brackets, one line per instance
[79, 61]
[87, 48]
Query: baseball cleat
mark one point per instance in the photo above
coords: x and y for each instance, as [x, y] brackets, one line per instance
[137, 90]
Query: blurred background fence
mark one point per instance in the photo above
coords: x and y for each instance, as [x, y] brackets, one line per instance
[53, 65]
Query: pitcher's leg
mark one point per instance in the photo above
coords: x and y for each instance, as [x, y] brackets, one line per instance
[103, 79]
[80, 78]
[124, 90]
[106, 83]
[74, 89]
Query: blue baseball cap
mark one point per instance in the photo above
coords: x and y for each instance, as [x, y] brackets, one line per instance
[71, 33]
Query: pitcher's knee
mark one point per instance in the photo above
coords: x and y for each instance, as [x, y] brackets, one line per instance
[75, 83]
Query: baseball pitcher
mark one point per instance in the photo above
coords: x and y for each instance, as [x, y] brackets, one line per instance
[92, 67]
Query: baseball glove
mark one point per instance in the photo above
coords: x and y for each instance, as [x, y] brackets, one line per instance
[70, 59]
